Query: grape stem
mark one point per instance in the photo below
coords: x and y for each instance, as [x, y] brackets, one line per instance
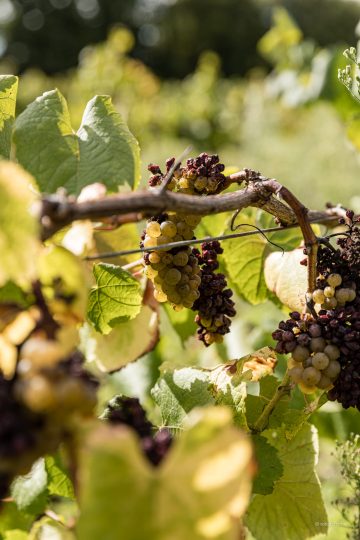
[282, 390]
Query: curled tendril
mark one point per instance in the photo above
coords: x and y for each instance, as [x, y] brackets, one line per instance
[235, 228]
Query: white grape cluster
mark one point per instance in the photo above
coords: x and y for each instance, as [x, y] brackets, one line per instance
[330, 294]
[45, 382]
[174, 272]
[315, 366]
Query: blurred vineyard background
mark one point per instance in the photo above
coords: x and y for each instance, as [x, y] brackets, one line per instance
[253, 80]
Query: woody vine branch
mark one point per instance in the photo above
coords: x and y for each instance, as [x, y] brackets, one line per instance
[59, 211]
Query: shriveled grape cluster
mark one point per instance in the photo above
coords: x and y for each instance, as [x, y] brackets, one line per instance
[202, 175]
[214, 304]
[332, 335]
[44, 390]
[314, 359]
[174, 272]
[128, 411]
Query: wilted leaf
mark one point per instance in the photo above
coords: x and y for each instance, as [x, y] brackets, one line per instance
[200, 491]
[126, 343]
[261, 363]
[287, 278]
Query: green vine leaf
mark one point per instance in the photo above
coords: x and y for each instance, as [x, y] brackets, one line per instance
[59, 482]
[18, 227]
[270, 468]
[103, 150]
[201, 488]
[30, 491]
[297, 491]
[244, 258]
[116, 298]
[179, 391]
[8, 92]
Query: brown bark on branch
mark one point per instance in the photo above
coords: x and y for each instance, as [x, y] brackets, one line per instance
[58, 212]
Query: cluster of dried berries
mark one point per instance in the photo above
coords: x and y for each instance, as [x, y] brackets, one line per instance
[37, 410]
[128, 411]
[201, 175]
[328, 345]
[176, 272]
[214, 304]
[314, 358]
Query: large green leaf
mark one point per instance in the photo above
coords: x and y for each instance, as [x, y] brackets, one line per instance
[8, 92]
[122, 345]
[178, 392]
[244, 258]
[18, 227]
[116, 297]
[199, 491]
[30, 491]
[270, 467]
[294, 510]
[103, 150]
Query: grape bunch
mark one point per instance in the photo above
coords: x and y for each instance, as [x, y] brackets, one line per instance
[325, 346]
[314, 362]
[44, 389]
[183, 276]
[214, 304]
[174, 272]
[128, 411]
[202, 175]
[332, 292]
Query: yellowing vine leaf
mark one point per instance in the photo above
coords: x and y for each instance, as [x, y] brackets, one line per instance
[287, 278]
[199, 491]
[125, 343]
[18, 227]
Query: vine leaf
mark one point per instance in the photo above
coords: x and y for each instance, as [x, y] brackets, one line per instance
[244, 258]
[11, 518]
[287, 278]
[270, 468]
[30, 491]
[298, 490]
[179, 391]
[256, 403]
[59, 482]
[103, 150]
[122, 345]
[18, 227]
[116, 298]
[201, 488]
[8, 92]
